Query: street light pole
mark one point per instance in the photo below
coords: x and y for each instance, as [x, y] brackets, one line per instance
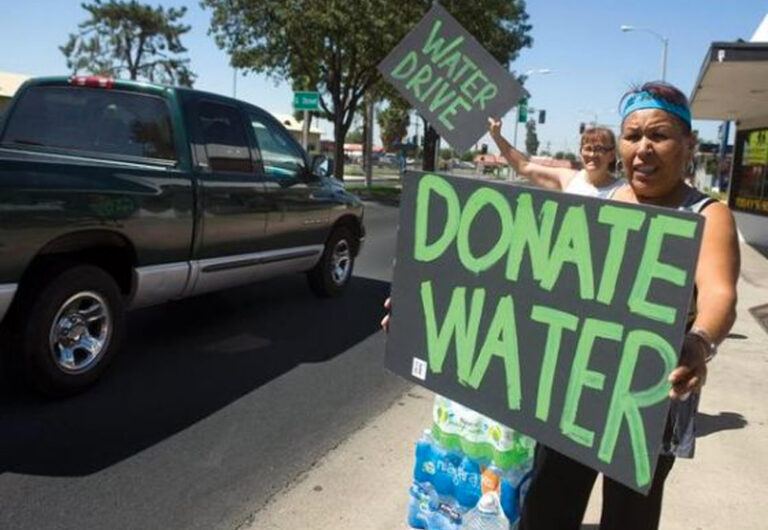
[664, 46]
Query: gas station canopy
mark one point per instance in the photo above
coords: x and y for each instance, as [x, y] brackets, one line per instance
[733, 84]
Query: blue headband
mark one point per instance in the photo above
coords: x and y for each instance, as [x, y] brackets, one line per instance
[648, 100]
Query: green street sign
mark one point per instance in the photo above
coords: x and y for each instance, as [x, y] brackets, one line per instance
[522, 112]
[306, 100]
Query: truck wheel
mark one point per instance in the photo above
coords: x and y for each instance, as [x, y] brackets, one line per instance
[71, 328]
[334, 270]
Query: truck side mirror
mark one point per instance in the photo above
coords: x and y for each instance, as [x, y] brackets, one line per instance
[322, 166]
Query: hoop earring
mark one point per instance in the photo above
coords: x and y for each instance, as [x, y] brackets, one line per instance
[690, 168]
[619, 165]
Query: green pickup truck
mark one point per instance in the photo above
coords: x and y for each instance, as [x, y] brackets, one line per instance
[117, 195]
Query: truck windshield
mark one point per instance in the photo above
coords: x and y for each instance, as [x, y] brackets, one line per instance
[92, 120]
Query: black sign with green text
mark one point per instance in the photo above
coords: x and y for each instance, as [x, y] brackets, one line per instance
[559, 315]
[450, 79]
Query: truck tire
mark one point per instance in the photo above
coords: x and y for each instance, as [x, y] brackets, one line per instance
[70, 329]
[334, 270]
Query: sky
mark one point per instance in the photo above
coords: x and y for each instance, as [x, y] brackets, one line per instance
[591, 62]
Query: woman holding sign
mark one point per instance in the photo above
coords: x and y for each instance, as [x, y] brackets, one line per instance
[598, 155]
[656, 148]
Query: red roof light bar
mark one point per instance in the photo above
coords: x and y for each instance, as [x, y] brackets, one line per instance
[93, 81]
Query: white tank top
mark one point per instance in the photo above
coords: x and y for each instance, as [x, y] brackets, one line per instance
[579, 185]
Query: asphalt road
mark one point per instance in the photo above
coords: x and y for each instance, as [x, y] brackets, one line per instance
[214, 405]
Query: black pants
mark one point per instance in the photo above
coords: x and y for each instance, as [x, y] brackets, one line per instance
[560, 490]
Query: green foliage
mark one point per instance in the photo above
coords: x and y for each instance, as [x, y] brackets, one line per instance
[562, 155]
[333, 45]
[531, 138]
[355, 136]
[446, 154]
[128, 38]
[469, 156]
[393, 122]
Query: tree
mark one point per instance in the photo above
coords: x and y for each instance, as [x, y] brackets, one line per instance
[127, 38]
[335, 45]
[531, 138]
[394, 122]
[355, 136]
[562, 155]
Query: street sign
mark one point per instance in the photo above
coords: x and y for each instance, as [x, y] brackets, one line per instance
[306, 100]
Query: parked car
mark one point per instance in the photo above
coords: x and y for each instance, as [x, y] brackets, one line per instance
[463, 164]
[117, 194]
[387, 160]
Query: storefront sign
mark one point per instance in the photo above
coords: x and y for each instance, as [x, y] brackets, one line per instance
[560, 316]
[756, 148]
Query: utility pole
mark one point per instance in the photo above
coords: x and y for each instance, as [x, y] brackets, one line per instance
[368, 147]
[305, 131]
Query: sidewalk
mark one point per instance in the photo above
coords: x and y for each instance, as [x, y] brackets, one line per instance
[363, 483]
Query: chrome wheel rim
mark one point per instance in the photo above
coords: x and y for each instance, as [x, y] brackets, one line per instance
[341, 262]
[80, 332]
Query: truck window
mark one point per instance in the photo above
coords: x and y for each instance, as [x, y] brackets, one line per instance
[226, 143]
[282, 160]
[92, 120]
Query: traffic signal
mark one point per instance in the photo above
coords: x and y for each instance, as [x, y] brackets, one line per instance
[581, 128]
[484, 149]
[542, 116]
[522, 111]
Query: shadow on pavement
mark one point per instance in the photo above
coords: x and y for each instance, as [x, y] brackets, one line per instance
[707, 424]
[180, 363]
[761, 249]
[760, 313]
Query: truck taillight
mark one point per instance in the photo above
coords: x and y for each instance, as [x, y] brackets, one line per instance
[93, 81]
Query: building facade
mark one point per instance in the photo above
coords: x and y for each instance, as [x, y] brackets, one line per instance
[733, 86]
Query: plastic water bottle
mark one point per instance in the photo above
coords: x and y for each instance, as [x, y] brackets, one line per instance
[422, 502]
[473, 439]
[487, 515]
[468, 487]
[446, 428]
[514, 485]
[447, 515]
[424, 464]
[486, 441]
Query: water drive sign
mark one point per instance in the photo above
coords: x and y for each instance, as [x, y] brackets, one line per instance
[450, 79]
[559, 315]
[306, 101]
